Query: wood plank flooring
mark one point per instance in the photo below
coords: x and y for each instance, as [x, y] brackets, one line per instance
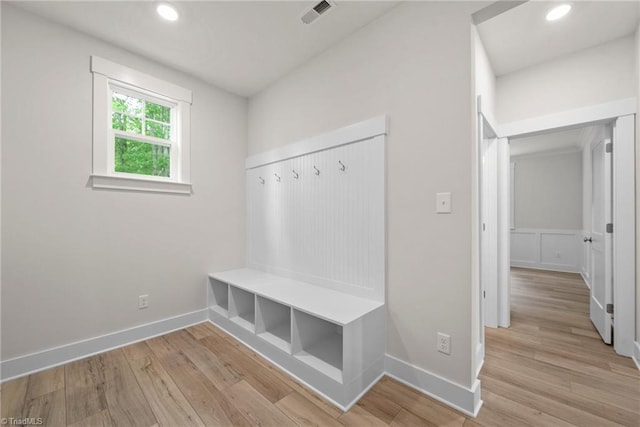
[549, 369]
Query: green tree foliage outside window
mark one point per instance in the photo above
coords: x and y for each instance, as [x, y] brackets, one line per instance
[141, 158]
[137, 116]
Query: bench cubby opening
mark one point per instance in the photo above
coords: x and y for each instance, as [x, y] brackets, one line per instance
[242, 308]
[273, 323]
[318, 343]
[218, 296]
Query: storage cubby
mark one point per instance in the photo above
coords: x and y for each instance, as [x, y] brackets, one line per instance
[219, 296]
[318, 343]
[242, 308]
[273, 323]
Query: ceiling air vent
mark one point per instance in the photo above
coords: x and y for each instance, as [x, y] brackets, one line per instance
[316, 11]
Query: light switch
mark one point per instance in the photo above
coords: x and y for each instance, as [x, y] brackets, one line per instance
[443, 203]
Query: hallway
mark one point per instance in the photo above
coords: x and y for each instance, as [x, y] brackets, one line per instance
[550, 367]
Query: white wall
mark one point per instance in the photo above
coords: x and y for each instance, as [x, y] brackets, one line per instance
[637, 74]
[76, 259]
[548, 191]
[593, 76]
[485, 78]
[413, 64]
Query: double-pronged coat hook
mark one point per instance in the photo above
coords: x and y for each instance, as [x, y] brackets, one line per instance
[317, 170]
[277, 177]
[261, 180]
[295, 174]
[342, 166]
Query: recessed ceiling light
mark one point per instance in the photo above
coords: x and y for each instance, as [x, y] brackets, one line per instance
[167, 11]
[558, 12]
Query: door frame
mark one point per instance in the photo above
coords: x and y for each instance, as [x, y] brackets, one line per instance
[489, 226]
[623, 113]
[500, 308]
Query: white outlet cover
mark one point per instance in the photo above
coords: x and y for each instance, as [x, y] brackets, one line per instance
[444, 343]
[143, 301]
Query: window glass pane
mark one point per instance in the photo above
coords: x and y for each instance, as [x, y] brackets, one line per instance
[141, 158]
[158, 130]
[157, 112]
[121, 121]
[127, 104]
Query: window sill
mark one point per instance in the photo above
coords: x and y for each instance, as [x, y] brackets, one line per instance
[138, 184]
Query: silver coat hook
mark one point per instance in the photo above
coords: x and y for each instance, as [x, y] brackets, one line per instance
[261, 180]
[277, 177]
[317, 170]
[295, 174]
[342, 166]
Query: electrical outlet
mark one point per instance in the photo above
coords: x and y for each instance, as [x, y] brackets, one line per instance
[143, 301]
[444, 343]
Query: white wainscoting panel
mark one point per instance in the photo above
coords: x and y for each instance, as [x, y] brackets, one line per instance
[558, 250]
[524, 247]
[321, 224]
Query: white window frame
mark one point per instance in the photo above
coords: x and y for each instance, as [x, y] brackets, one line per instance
[108, 76]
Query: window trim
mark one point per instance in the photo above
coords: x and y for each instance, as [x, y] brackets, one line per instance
[106, 76]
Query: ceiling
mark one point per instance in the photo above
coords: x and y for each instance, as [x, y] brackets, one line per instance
[521, 37]
[557, 141]
[241, 46]
[244, 46]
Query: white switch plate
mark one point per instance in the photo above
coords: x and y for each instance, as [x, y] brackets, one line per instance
[443, 202]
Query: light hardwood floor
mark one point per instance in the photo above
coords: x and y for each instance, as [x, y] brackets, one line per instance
[549, 369]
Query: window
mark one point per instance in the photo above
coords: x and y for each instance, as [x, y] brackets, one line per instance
[140, 131]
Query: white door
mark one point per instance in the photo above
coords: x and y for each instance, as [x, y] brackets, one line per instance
[601, 259]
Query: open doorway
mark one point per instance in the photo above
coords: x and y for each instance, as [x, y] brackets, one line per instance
[551, 205]
[561, 205]
[566, 221]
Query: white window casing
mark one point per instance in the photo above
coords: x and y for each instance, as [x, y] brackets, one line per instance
[109, 76]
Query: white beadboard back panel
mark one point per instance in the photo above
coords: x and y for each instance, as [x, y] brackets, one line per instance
[327, 225]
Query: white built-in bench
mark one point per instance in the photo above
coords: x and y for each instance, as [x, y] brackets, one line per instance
[330, 340]
[315, 216]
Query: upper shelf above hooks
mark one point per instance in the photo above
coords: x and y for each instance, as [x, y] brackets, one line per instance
[361, 131]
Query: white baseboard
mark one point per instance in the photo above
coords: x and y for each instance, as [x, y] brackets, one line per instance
[543, 267]
[636, 354]
[39, 361]
[458, 397]
[585, 279]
